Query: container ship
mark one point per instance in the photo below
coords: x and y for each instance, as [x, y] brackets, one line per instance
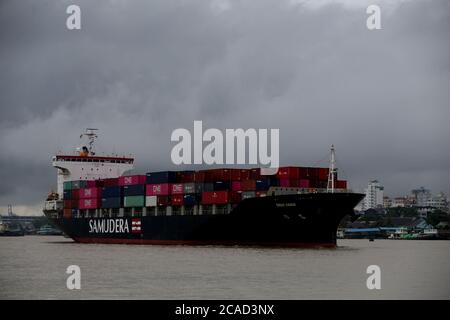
[98, 202]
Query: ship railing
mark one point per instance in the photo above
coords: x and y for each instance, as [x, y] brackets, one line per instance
[277, 191]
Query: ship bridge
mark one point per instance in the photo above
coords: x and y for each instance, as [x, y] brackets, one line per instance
[85, 165]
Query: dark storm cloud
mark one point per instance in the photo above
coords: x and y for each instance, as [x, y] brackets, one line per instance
[138, 71]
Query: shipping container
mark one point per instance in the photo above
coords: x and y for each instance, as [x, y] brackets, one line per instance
[92, 203]
[91, 184]
[177, 188]
[262, 184]
[189, 187]
[111, 192]
[190, 199]
[288, 173]
[221, 185]
[134, 201]
[247, 194]
[177, 200]
[132, 180]
[87, 193]
[67, 213]
[112, 202]
[163, 200]
[162, 189]
[79, 184]
[134, 190]
[303, 183]
[70, 204]
[151, 201]
[323, 173]
[248, 185]
[287, 183]
[207, 186]
[236, 186]
[67, 194]
[341, 184]
[75, 194]
[111, 182]
[215, 197]
[255, 174]
[67, 185]
[161, 177]
[235, 196]
[185, 176]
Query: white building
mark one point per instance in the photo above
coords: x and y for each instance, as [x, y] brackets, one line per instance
[374, 195]
[422, 196]
[439, 201]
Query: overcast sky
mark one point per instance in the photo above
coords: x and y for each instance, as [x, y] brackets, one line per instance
[138, 70]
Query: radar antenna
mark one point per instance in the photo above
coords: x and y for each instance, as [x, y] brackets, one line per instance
[332, 171]
[91, 135]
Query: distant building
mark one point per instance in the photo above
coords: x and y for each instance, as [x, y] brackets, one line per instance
[374, 195]
[440, 201]
[421, 196]
[387, 202]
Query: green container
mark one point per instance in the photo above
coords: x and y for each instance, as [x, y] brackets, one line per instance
[134, 201]
[67, 185]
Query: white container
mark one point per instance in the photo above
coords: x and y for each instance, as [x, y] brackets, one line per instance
[150, 201]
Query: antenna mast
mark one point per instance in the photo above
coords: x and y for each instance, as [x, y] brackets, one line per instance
[332, 171]
[91, 135]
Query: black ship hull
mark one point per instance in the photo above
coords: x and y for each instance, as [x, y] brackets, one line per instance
[287, 220]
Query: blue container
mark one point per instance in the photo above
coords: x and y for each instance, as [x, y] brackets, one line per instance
[134, 190]
[190, 200]
[111, 192]
[67, 195]
[222, 185]
[262, 184]
[111, 202]
[161, 177]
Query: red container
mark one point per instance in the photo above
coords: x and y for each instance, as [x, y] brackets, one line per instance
[292, 173]
[255, 173]
[244, 174]
[235, 174]
[177, 188]
[177, 200]
[88, 193]
[162, 200]
[215, 197]
[248, 185]
[185, 176]
[92, 203]
[313, 173]
[236, 186]
[199, 176]
[91, 184]
[70, 204]
[75, 194]
[111, 182]
[303, 183]
[130, 180]
[287, 183]
[303, 173]
[162, 189]
[67, 213]
[235, 197]
[341, 184]
[323, 173]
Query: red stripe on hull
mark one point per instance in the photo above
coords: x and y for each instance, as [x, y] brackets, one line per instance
[204, 243]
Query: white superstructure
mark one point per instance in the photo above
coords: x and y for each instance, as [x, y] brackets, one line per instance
[84, 165]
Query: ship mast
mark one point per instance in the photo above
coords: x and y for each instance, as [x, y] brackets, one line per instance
[332, 171]
[91, 135]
